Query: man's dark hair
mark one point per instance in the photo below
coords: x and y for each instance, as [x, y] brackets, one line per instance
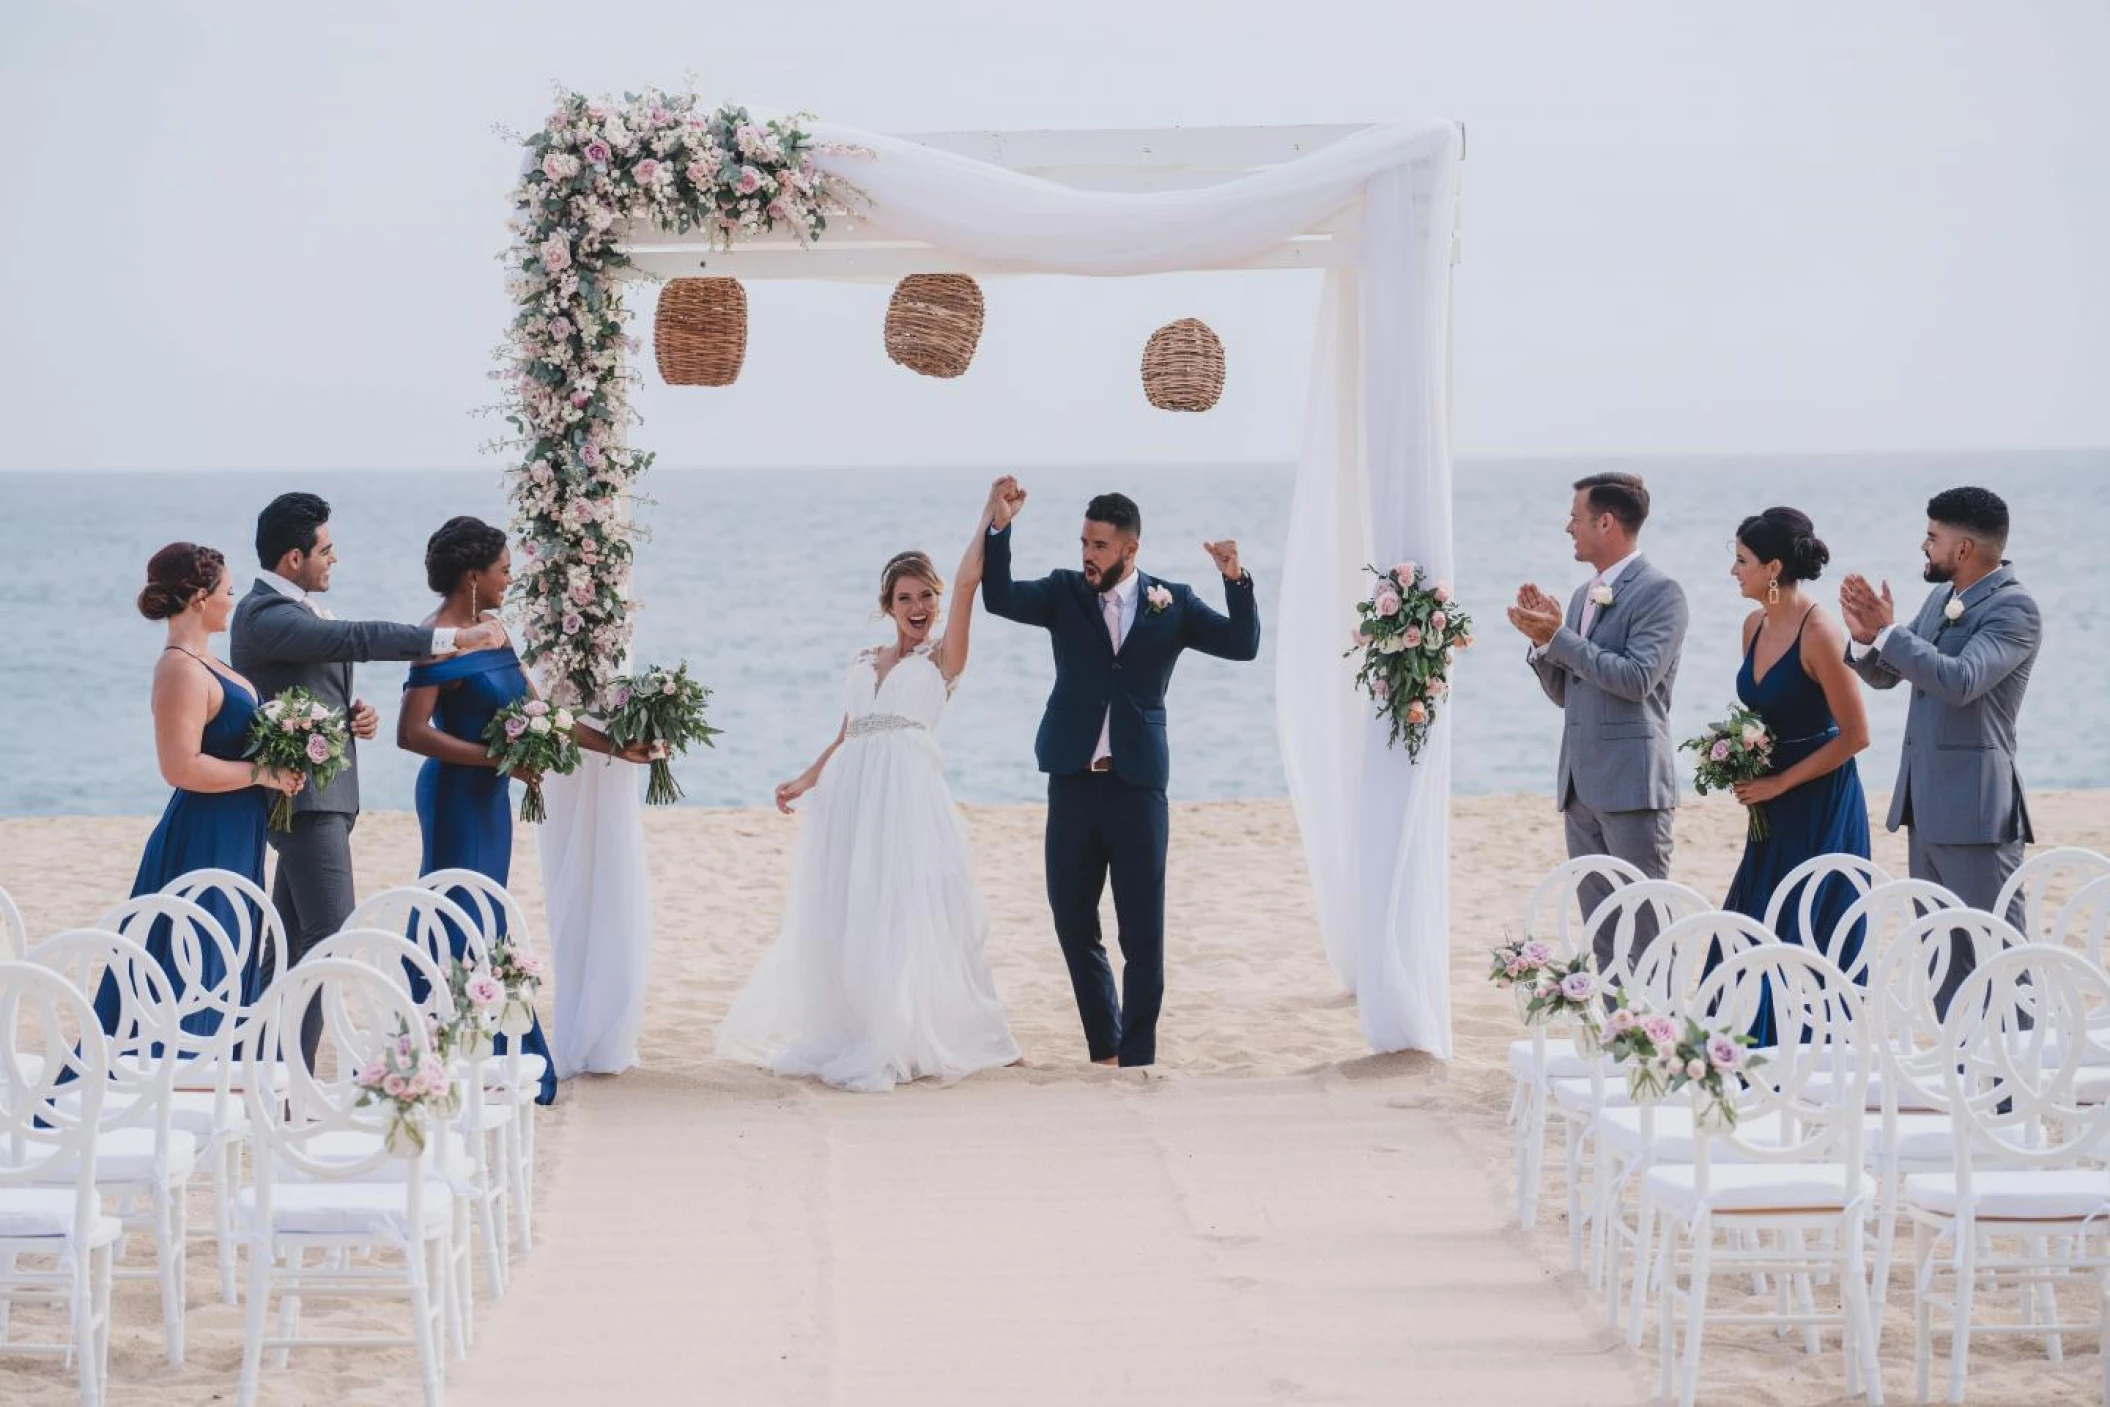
[288, 524]
[1623, 496]
[1979, 512]
[1116, 510]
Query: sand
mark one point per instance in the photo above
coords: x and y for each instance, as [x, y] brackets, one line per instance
[1273, 1215]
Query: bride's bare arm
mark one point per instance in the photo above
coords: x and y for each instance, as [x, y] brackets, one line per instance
[788, 792]
[952, 654]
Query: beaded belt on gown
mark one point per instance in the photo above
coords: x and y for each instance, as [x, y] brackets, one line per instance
[879, 723]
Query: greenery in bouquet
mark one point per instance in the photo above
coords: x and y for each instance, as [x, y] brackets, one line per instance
[531, 740]
[1736, 749]
[296, 732]
[664, 710]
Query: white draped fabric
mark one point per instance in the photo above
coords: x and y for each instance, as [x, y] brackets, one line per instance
[599, 901]
[1373, 484]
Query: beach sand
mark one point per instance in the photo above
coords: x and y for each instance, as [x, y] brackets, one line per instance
[1273, 1215]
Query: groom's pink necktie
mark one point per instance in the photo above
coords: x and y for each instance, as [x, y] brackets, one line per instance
[1589, 615]
[1110, 607]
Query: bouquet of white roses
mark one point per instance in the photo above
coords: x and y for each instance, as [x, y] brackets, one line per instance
[664, 710]
[1737, 749]
[1407, 631]
[531, 739]
[296, 732]
[409, 1076]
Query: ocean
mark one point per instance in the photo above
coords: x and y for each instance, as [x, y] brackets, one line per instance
[766, 582]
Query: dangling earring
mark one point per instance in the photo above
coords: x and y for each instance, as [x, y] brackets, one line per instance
[1773, 592]
[472, 601]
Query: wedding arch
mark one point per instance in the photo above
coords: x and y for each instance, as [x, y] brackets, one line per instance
[657, 185]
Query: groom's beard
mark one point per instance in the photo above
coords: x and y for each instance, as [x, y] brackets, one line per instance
[1110, 578]
[1936, 572]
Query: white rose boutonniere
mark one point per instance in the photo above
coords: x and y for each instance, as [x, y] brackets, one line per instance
[1601, 596]
[1954, 610]
[1158, 598]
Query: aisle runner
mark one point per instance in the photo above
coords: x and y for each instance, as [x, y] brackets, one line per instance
[1222, 1242]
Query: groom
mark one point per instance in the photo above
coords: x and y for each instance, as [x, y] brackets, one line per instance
[1116, 635]
[1609, 662]
[282, 639]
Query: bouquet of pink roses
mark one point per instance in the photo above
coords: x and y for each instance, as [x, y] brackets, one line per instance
[1407, 631]
[410, 1078]
[530, 738]
[663, 709]
[1737, 749]
[518, 974]
[295, 732]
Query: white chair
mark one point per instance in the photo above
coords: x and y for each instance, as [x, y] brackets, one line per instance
[142, 1161]
[1797, 1170]
[1555, 915]
[14, 935]
[2082, 923]
[1820, 880]
[2039, 884]
[517, 1073]
[307, 1196]
[41, 1132]
[2018, 1106]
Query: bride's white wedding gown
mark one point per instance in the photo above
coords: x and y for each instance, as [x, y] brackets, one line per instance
[878, 974]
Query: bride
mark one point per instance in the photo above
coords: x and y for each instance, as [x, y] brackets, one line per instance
[878, 973]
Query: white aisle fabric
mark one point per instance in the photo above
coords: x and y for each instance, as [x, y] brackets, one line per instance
[599, 911]
[1373, 483]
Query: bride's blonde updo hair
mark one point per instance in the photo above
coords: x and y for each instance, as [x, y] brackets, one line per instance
[907, 566]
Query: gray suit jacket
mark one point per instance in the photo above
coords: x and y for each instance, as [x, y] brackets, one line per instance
[1614, 688]
[1957, 783]
[278, 644]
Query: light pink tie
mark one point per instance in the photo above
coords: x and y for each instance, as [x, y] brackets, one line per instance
[1110, 606]
[1589, 615]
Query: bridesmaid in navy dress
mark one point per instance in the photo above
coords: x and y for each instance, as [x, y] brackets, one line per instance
[1795, 677]
[465, 809]
[202, 711]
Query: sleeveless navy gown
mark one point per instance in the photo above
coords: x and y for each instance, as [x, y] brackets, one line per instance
[466, 813]
[205, 831]
[1826, 816]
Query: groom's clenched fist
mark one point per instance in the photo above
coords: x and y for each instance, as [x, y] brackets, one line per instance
[1005, 499]
[1225, 554]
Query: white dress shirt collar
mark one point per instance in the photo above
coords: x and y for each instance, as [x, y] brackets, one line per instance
[1125, 589]
[281, 585]
[1612, 573]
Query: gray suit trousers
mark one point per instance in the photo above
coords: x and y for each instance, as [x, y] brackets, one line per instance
[313, 892]
[1641, 838]
[1974, 873]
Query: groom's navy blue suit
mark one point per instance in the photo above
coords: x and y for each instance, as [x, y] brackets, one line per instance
[1113, 820]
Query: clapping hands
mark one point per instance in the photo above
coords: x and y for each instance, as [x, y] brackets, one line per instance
[1865, 611]
[1535, 615]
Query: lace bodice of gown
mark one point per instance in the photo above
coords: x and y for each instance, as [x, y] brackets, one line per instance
[913, 690]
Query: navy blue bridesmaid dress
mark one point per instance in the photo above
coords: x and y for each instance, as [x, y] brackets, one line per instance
[205, 831]
[1827, 815]
[466, 813]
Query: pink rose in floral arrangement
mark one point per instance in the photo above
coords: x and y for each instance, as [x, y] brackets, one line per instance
[395, 1086]
[1465, 642]
[1417, 712]
[582, 592]
[1363, 638]
[535, 708]
[1387, 603]
[646, 171]
[1437, 621]
[1720, 751]
[1724, 1053]
[561, 329]
[1380, 689]
[1443, 593]
[1579, 986]
[1660, 1030]
[515, 727]
[750, 181]
[1412, 635]
[573, 624]
[556, 254]
[1538, 952]
[1695, 1069]
[371, 1073]
[318, 748]
[1620, 1021]
[1438, 688]
[598, 152]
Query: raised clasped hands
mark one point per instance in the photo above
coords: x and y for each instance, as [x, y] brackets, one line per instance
[1535, 615]
[1865, 610]
[1006, 498]
[1225, 555]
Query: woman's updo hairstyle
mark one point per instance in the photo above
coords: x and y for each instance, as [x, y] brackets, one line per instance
[907, 566]
[1786, 536]
[462, 545]
[176, 576]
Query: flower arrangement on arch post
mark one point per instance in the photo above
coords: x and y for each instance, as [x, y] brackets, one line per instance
[1407, 631]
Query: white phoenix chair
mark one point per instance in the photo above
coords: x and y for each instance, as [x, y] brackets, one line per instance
[14, 935]
[1797, 1169]
[2038, 882]
[2017, 1106]
[142, 1161]
[306, 1196]
[41, 1133]
[517, 1074]
[1815, 881]
[1554, 916]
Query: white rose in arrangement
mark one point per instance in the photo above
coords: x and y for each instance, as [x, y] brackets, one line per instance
[538, 725]
[1753, 735]
[1601, 595]
[564, 720]
[274, 709]
[1954, 610]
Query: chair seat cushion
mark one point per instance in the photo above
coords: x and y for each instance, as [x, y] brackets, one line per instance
[532, 1069]
[1620, 1130]
[346, 1147]
[1573, 1095]
[1563, 1060]
[1759, 1187]
[2018, 1194]
[380, 1209]
[127, 1156]
[27, 1212]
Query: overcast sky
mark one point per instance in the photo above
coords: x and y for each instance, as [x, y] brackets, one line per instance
[262, 235]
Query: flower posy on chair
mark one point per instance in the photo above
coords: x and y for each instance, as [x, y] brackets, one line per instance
[1408, 629]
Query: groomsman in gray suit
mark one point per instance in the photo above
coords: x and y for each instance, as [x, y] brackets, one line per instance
[1967, 656]
[1609, 661]
[281, 639]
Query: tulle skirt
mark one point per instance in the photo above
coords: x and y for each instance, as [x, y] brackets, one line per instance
[879, 973]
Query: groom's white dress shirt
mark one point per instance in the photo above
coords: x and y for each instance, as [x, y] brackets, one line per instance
[442, 637]
[1118, 608]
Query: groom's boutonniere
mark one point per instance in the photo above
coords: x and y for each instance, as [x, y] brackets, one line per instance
[1601, 596]
[1954, 610]
[1158, 598]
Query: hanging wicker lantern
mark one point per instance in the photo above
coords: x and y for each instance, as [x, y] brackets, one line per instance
[1183, 366]
[699, 333]
[933, 323]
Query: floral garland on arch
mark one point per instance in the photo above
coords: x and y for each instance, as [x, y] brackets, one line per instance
[1407, 631]
[594, 163]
